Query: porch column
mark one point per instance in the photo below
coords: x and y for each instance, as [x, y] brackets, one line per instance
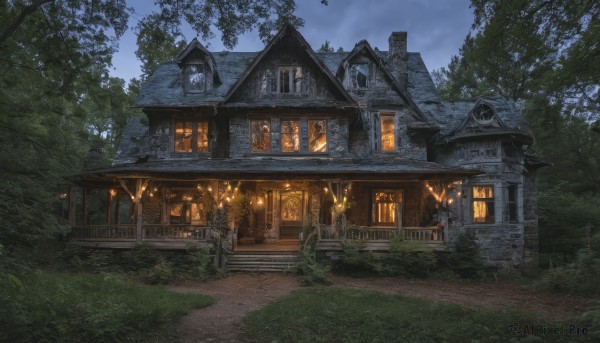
[72, 206]
[139, 215]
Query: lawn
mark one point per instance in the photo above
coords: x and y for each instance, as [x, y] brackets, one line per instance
[343, 315]
[50, 307]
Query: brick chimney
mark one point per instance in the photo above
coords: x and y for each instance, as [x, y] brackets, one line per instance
[398, 57]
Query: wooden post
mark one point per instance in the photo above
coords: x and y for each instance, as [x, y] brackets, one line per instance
[72, 206]
[139, 211]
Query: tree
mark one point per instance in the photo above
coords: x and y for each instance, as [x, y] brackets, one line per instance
[325, 47]
[57, 100]
[544, 56]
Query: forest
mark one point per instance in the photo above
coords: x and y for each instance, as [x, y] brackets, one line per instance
[61, 111]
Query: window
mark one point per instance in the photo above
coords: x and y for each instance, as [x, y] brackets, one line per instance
[484, 115]
[260, 135]
[290, 136]
[385, 206]
[290, 79]
[191, 136]
[483, 204]
[511, 204]
[194, 78]
[317, 135]
[359, 76]
[185, 207]
[388, 133]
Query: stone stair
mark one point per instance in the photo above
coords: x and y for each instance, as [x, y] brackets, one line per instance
[261, 261]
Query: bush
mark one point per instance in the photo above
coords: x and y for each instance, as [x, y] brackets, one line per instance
[51, 307]
[465, 260]
[312, 271]
[581, 276]
[142, 263]
[405, 258]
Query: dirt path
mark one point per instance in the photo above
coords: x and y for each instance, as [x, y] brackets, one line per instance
[239, 294]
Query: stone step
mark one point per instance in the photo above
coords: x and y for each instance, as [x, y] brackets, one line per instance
[261, 262]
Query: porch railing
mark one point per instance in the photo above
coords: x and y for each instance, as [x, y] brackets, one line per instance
[149, 231]
[120, 231]
[367, 233]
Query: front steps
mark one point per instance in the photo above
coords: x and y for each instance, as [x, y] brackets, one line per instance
[262, 261]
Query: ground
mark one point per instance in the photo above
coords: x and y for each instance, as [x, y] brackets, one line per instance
[241, 293]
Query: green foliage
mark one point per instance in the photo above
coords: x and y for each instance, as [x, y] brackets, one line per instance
[143, 263]
[591, 318]
[581, 276]
[465, 260]
[405, 258]
[340, 315]
[325, 47]
[79, 308]
[312, 271]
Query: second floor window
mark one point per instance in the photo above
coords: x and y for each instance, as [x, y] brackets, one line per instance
[260, 132]
[317, 135]
[290, 136]
[290, 79]
[191, 136]
[483, 204]
[388, 132]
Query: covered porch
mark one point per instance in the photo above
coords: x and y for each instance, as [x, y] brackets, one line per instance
[244, 209]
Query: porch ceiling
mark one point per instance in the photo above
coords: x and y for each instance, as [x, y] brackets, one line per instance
[273, 168]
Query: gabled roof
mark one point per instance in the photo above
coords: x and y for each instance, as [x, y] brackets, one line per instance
[196, 45]
[364, 46]
[284, 33]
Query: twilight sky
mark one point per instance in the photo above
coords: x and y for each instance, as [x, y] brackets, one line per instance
[436, 28]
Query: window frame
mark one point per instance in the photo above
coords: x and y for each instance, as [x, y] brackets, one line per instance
[195, 134]
[298, 137]
[268, 135]
[187, 74]
[490, 204]
[512, 205]
[398, 208]
[290, 79]
[392, 116]
[325, 128]
[353, 79]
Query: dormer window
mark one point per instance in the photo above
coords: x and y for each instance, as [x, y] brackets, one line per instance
[359, 76]
[194, 78]
[290, 79]
[484, 115]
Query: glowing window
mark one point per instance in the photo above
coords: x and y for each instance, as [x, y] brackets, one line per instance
[290, 135]
[317, 135]
[385, 205]
[191, 136]
[483, 204]
[388, 133]
[260, 135]
[186, 207]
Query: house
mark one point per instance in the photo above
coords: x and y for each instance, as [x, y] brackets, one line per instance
[241, 150]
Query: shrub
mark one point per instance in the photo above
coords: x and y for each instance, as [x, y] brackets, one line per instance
[312, 271]
[465, 260]
[581, 276]
[52, 307]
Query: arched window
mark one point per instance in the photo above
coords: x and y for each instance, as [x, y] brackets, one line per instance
[484, 114]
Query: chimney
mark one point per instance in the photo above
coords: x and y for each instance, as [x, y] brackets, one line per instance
[398, 58]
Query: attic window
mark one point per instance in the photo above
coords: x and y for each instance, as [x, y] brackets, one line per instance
[484, 115]
[290, 79]
[359, 75]
[194, 76]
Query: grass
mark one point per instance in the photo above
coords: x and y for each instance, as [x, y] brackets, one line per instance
[50, 307]
[339, 315]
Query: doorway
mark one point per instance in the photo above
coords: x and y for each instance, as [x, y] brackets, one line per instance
[291, 214]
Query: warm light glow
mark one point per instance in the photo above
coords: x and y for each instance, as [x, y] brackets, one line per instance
[209, 188]
[325, 189]
[113, 192]
[388, 133]
[450, 201]
[287, 185]
[259, 202]
[483, 204]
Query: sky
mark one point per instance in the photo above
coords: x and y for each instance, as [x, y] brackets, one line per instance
[436, 29]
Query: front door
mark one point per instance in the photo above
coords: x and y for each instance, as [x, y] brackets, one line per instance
[291, 214]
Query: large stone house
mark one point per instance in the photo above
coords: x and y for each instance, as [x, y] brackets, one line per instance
[269, 147]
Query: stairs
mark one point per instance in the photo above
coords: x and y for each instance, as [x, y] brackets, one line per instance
[262, 261]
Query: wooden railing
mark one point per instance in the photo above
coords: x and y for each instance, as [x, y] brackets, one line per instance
[121, 231]
[367, 233]
[149, 231]
[176, 231]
